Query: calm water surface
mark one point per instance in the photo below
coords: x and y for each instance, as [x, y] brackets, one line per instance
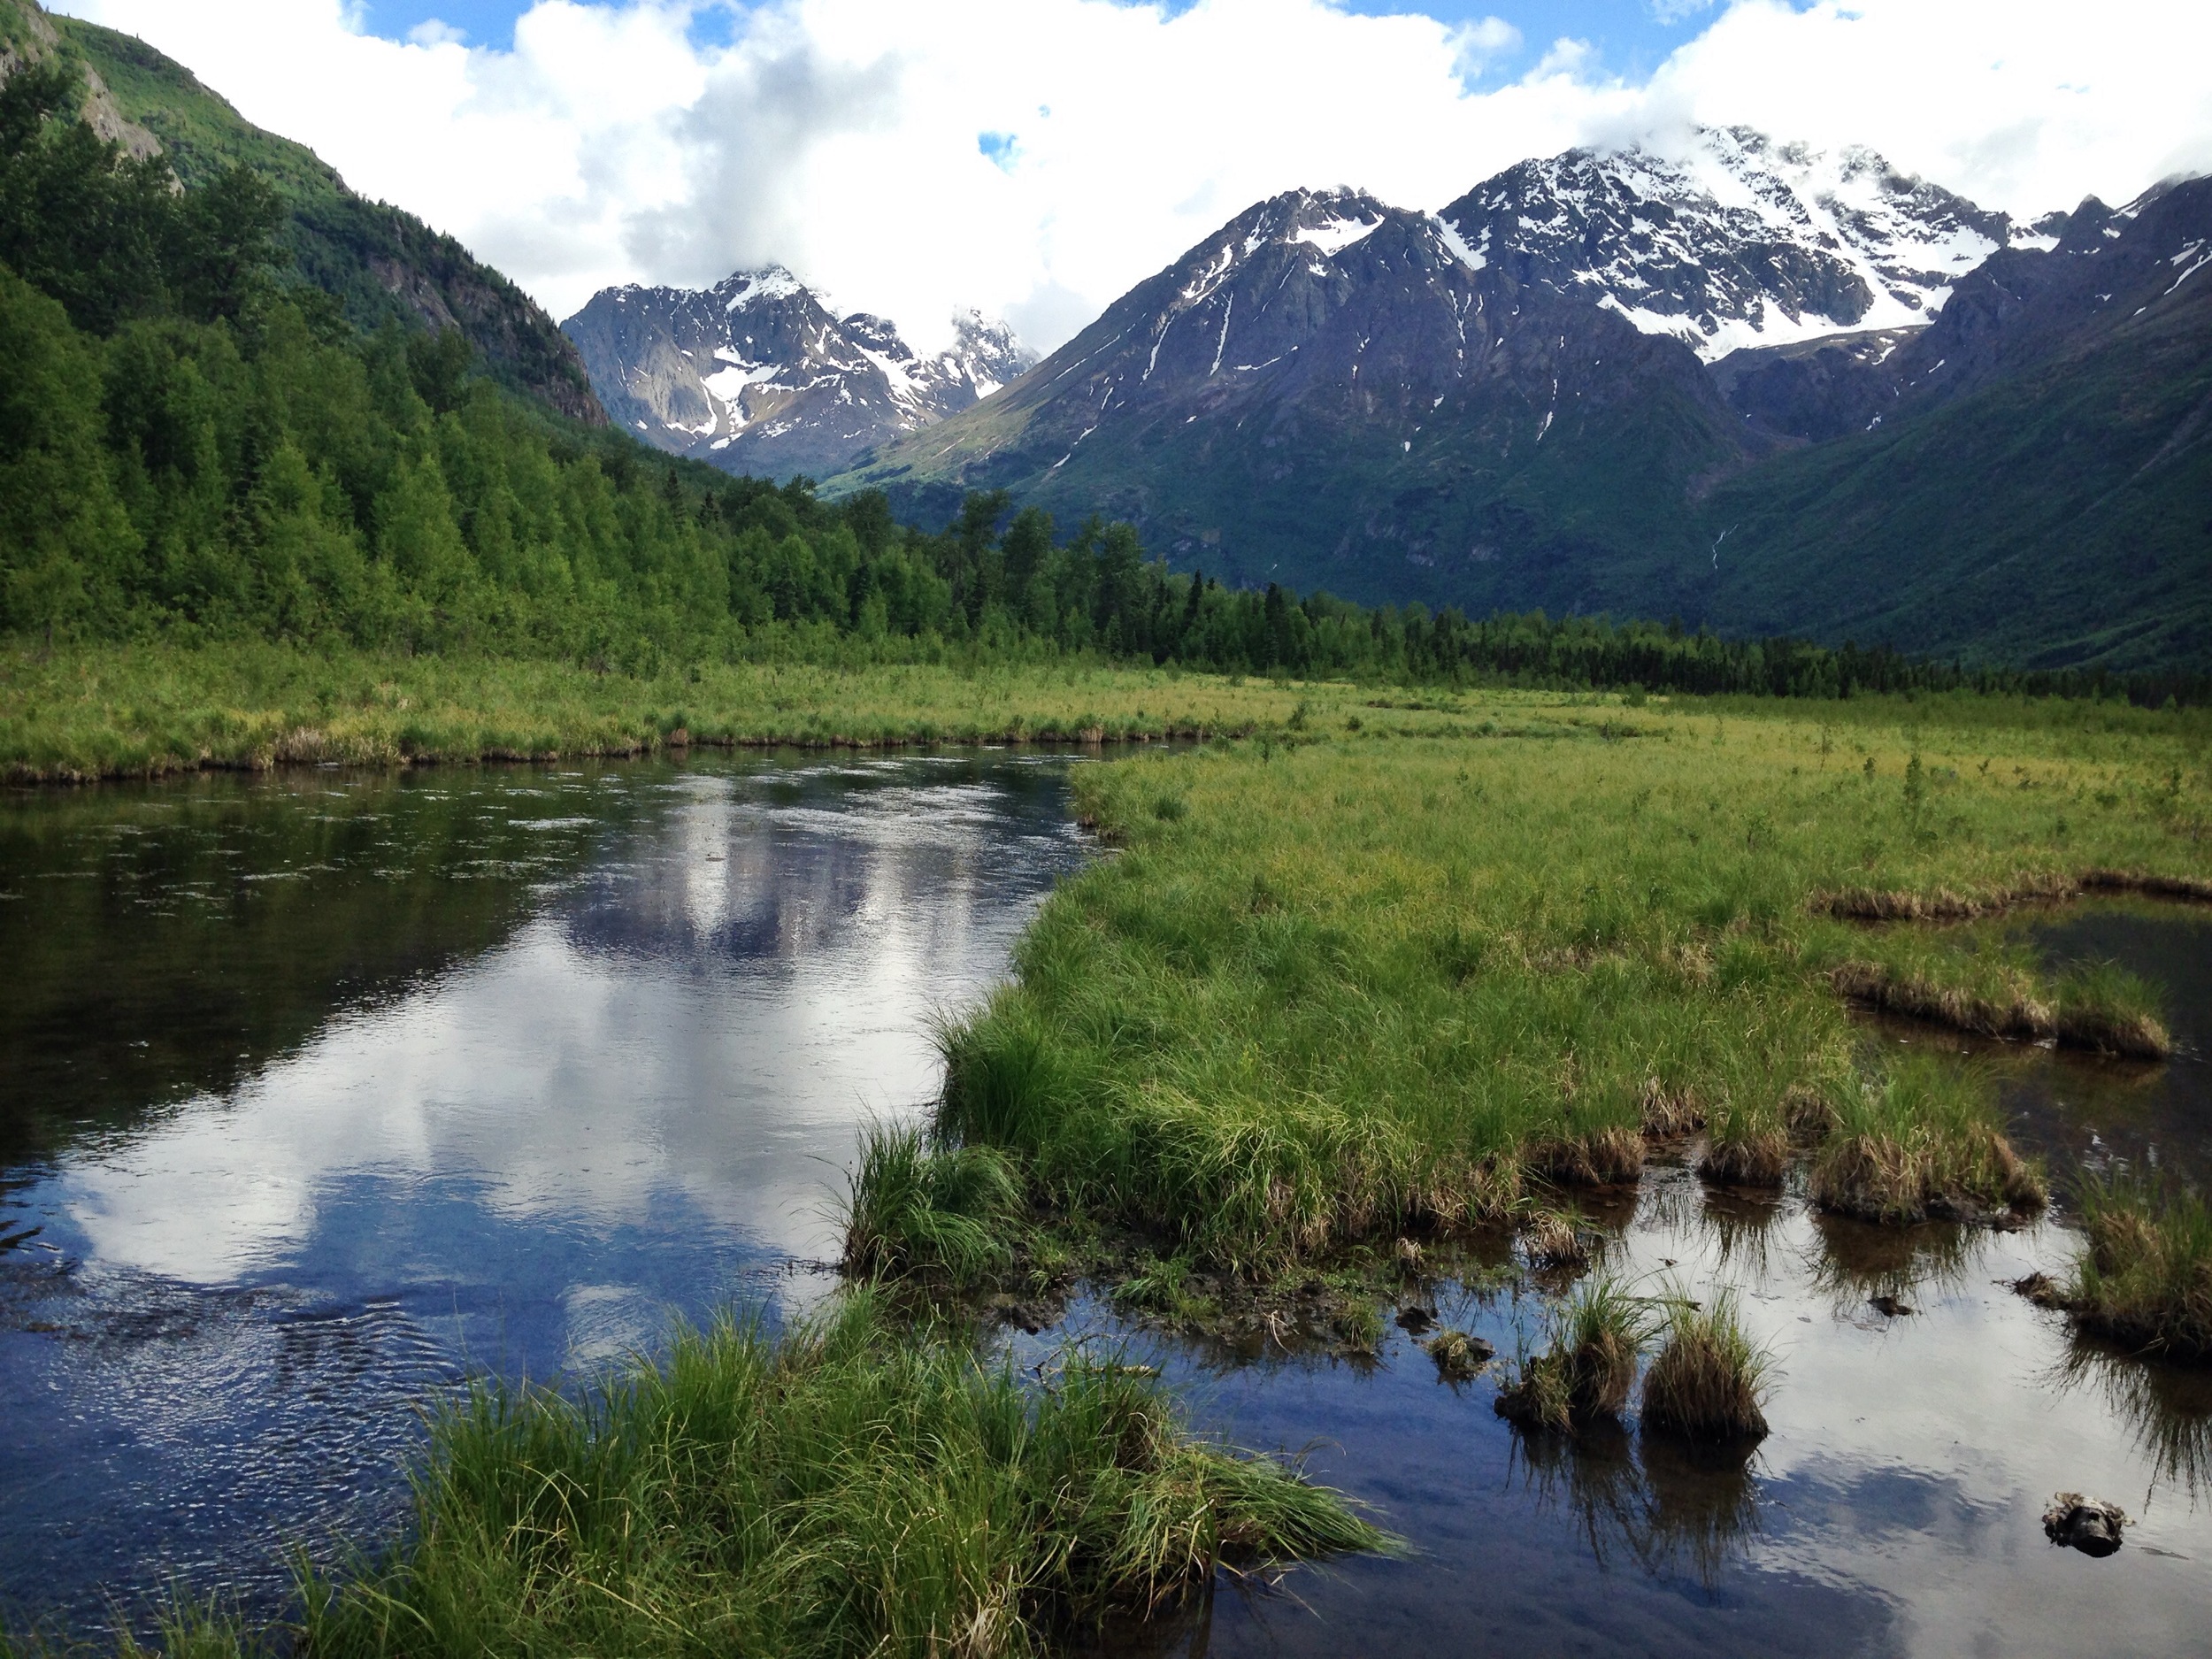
[326, 1092]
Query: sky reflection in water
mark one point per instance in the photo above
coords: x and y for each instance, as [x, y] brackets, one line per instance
[630, 1090]
[513, 1065]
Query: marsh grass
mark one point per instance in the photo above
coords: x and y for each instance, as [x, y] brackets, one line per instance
[1921, 1142]
[1553, 1238]
[2001, 993]
[2104, 1007]
[1584, 1372]
[846, 1489]
[2144, 1277]
[1417, 977]
[914, 1208]
[1710, 1379]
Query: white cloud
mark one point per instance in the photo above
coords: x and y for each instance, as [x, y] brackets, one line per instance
[841, 137]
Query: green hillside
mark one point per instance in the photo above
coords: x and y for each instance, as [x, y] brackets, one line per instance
[2057, 516]
[378, 262]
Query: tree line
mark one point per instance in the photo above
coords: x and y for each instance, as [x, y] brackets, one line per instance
[195, 444]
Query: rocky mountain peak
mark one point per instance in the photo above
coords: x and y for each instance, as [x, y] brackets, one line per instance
[758, 375]
[1725, 238]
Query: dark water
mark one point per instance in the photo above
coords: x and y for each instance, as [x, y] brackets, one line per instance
[324, 1093]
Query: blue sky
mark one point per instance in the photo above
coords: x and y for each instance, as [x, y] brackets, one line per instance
[1631, 37]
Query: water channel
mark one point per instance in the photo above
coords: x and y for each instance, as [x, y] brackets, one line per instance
[325, 1092]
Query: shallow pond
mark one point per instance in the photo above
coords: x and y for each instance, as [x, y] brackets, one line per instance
[325, 1092]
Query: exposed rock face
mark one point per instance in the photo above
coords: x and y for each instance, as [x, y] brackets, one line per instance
[1815, 389]
[2068, 281]
[757, 375]
[1734, 241]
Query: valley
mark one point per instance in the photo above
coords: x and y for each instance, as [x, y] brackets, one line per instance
[1478, 928]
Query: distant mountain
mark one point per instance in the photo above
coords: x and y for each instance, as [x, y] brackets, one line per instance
[1736, 241]
[1727, 384]
[757, 375]
[378, 261]
[1332, 392]
[2039, 487]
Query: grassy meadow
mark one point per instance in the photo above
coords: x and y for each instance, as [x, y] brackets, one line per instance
[78, 714]
[1391, 970]
[1374, 967]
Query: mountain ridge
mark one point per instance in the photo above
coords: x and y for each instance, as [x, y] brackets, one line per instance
[757, 374]
[1305, 396]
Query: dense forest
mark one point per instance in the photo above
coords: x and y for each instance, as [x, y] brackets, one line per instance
[195, 444]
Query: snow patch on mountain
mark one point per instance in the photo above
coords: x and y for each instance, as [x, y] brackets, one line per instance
[757, 374]
[1724, 238]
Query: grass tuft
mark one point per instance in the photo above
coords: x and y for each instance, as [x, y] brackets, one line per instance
[1922, 1143]
[1584, 1373]
[2145, 1276]
[846, 1488]
[914, 1208]
[2102, 1006]
[1710, 1379]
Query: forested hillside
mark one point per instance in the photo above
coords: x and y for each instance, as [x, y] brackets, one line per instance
[196, 446]
[377, 262]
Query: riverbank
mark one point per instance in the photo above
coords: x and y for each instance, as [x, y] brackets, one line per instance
[1344, 994]
[84, 713]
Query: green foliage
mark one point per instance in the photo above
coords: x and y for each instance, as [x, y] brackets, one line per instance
[105, 233]
[2145, 1276]
[846, 1489]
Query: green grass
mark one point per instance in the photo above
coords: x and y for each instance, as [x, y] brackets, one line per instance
[849, 1488]
[1369, 983]
[2144, 1277]
[1921, 1142]
[1710, 1379]
[1584, 1372]
[950, 1213]
[80, 713]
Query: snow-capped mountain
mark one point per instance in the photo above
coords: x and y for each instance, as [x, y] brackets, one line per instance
[758, 375]
[1730, 239]
[1327, 383]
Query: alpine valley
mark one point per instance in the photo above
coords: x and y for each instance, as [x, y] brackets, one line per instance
[1756, 386]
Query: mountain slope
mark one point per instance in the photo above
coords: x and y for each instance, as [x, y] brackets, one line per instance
[376, 260]
[2041, 492]
[1331, 392]
[757, 376]
[1761, 388]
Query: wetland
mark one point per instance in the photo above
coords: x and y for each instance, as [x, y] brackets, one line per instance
[340, 1097]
